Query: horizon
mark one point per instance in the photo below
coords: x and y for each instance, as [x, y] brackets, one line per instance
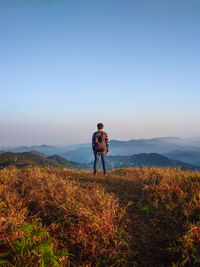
[77, 144]
[67, 65]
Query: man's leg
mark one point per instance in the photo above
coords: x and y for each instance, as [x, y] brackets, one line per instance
[103, 159]
[96, 158]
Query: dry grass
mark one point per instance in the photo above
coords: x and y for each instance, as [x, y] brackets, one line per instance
[132, 217]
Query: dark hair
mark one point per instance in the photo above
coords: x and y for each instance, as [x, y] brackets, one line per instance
[100, 125]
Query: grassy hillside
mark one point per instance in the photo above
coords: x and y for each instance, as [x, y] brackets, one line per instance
[34, 158]
[132, 217]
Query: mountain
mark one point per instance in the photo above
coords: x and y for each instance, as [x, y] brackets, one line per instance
[37, 153]
[159, 145]
[68, 164]
[155, 145]
[30, 159]
[45, 149]
[147, 160]
[194, 141]
[82, 153]
[140, 160]
[190, 157]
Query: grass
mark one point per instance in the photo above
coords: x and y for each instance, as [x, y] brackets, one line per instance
[132, 217]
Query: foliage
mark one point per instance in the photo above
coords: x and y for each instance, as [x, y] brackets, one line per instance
[132, 217]
[27, 159]
[33, 247]
[84, 220]
[148, 208]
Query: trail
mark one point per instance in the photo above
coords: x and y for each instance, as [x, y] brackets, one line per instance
[130, 193]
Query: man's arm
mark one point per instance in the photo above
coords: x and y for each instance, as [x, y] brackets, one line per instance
[93, 139]
[107, 143]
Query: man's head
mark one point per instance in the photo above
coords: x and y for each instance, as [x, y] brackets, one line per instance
[100, 126]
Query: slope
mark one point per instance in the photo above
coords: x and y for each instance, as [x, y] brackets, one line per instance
[30, 159]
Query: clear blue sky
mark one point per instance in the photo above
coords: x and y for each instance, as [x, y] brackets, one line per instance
[66, 65]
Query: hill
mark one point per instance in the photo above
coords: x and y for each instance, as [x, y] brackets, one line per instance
[45, 149]
[32, 158]
[190, 157]
[68, 164]
[144, 159]
[84, 154]
[132, 217]
[37, 153]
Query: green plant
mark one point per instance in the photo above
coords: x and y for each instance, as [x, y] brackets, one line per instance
[34, 247]
[3, 258]
[149, 208]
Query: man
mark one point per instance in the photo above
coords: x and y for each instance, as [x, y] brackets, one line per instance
[100, 146]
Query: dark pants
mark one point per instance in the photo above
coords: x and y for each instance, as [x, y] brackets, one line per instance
[103, 159]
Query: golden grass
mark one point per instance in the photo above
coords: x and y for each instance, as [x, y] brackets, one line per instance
[132, 217]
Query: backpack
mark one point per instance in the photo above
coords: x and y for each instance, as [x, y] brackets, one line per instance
[99, 143]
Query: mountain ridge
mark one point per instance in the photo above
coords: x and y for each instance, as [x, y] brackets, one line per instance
[190, 157]
[145, 160]
[82, 153]
[26, 159]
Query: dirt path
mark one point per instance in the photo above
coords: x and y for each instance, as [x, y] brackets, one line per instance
[130, 195]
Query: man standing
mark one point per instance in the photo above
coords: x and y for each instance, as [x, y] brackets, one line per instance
[100, 146]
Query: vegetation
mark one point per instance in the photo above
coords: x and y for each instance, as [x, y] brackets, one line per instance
[132, 217]
[34, 158]
[147, 160]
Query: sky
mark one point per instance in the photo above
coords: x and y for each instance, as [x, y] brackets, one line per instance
[66, 65]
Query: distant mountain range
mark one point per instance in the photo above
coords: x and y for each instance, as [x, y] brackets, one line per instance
[45, 149]
[190, 157]
[34, 158]
[174, 148]
[155, 145]
[84, 154]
